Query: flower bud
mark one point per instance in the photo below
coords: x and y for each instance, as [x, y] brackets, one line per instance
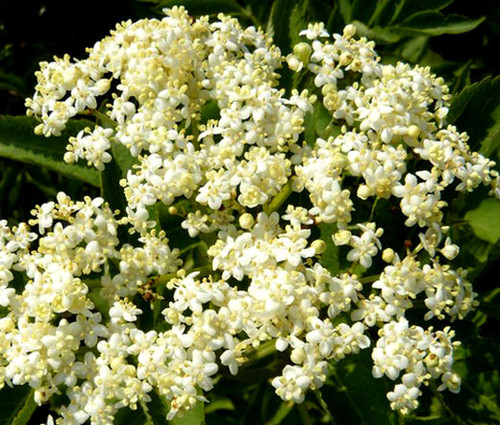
[342, 237]
[388, 255]
[319, 246]
[246, 221]
[303, 52]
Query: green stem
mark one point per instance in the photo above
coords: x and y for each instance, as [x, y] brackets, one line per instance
[107, 121]
[369, 279]
[457, 419]
[324, 406]
[372, 212]
[279, 199]
[304, 414]
[191, 247]
[195, 132]
[343, 387]
[165, 278]
[265, 349]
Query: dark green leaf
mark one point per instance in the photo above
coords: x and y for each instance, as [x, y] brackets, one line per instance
[365, 395]
[435, 23]
[12, 82]
[382, 13]
[345, 10]
[16, 405]
[330, 258]
[406, 8]
[127, 416]
[476, 109]
[298, 22]
[485, 220]
[363, 10]
[219, 403]
[282, 412]
[110, 187]
[279, 24]
[18, 142]
[491, 309]
[157, 409]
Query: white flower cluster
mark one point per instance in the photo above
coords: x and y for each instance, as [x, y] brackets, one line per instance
[198, 104]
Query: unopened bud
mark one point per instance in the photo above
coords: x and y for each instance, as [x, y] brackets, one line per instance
[388, 255]
[319, 246]
[246, 221]
[303, 52]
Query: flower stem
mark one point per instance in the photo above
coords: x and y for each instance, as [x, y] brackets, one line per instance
[324, 406]
[279, 199]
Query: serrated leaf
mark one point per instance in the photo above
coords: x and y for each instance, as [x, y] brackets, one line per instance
[18, 142]
[279, 23]
[435, 23]
[298, 22]
[485, 220]
[476, 109]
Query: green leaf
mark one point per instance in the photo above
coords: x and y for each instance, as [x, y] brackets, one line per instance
[17, 405]
[279, 24]
[345, 9]
[330, 258]
[435, 23]
[157, 409]
[406, 8]
[12, 82]
[219, 403]
[485, 220]
[126, 416]
[298, 21]
[110, 187]
[194, 416]
[354, 385]
[18, 142]
[282, 412]
[476, 109]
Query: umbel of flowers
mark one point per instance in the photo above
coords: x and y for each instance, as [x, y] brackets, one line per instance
[262, 199]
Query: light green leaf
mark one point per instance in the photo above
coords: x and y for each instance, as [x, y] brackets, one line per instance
[485, 220]
[195, 416]
[16, 405]
[219, 403]
[435, 23]
[18, 142]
